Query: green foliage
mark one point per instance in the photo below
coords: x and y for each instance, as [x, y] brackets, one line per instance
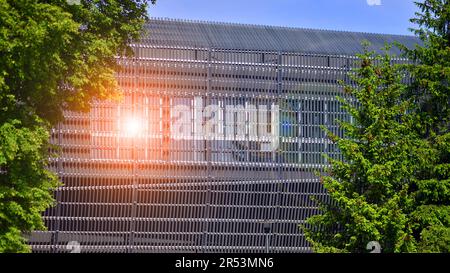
[431, 67]
[394, 185]
[25, 183]
[430, 89]
[54, 56]
[369, 190]
[435, 239]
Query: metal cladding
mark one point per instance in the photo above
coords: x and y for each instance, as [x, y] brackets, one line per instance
[213, 147]
[199, 34]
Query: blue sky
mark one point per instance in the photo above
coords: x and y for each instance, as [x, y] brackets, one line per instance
[378, 16]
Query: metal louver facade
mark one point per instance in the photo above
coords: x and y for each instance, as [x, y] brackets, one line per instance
[162, 190]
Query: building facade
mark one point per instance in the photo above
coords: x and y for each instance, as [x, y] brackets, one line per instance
[213, 147]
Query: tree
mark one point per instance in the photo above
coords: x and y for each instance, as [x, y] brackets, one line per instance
[369, 197]
[430, 71]
[56, 55]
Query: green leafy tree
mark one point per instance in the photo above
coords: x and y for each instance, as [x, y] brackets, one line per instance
[430, 71]
[55, 55]
[368, 191]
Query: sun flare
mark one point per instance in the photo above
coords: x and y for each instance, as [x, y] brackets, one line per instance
[132, 127]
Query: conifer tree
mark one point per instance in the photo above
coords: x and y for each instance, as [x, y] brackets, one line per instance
[369, 195]
[430, 71]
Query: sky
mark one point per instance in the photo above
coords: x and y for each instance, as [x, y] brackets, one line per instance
[375, 16]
